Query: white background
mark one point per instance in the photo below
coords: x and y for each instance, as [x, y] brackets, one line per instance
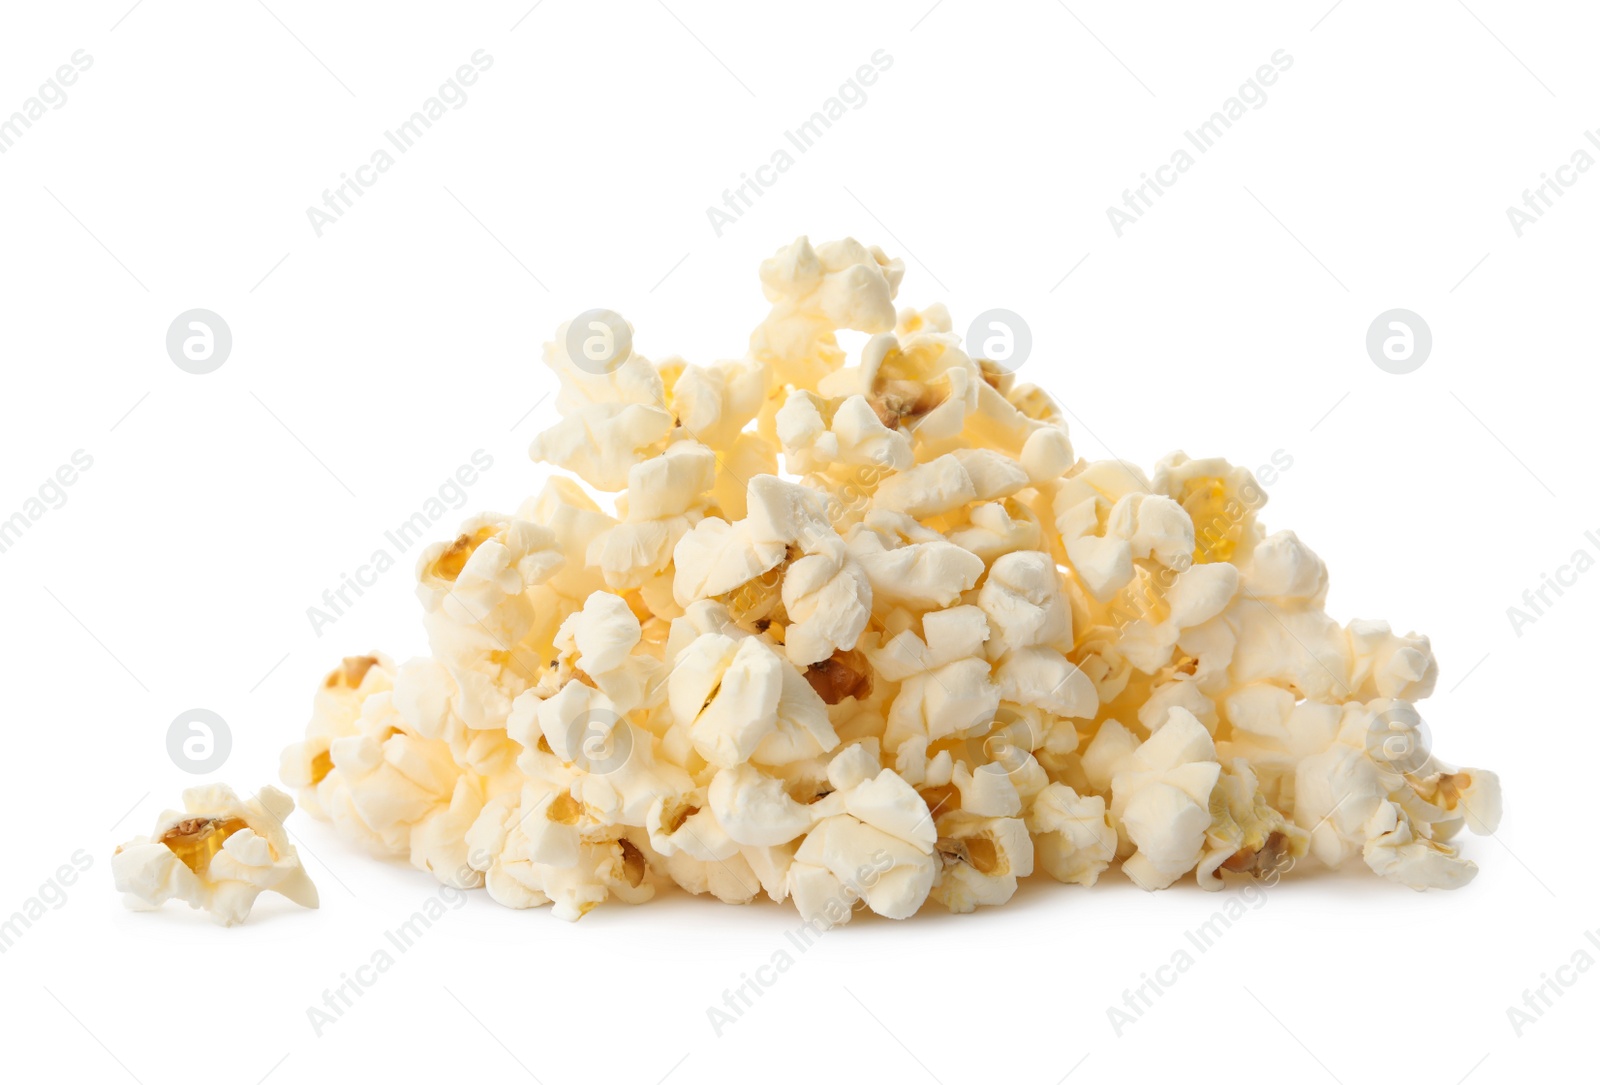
[370, 362]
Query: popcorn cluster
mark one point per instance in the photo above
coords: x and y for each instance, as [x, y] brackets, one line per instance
[873, 634]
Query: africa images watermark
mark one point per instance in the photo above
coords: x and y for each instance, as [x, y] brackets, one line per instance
[1541, 998]
[739, 1000]
[1252, 94]
[852, 94]
[339, 999]
[51, 494]
[51, 896]
[451, 494]
[52, 93]
[403, 137]
[1539, 199]
[1248, 898]
[1536, 601]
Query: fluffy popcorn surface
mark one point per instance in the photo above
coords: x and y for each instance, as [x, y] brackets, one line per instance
[818, 434]
[815, 292]
[714, 403]
[854, 858]
[1074, 840]
[601, 442]
[474, 589]
[715, 557]
[857, 630]
[1247, 835]
[1386, 665]
[828, 598]
[946, 683]
[983, 857]
[218, 854]
[1396, 850]
[909, 565]
[661, 496]
[737, 699]
[335, 713]
[628, 380]
[1109, 517]
[921, 381]
[1161, 798]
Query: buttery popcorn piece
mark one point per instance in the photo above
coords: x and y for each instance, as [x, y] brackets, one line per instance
[218, 854]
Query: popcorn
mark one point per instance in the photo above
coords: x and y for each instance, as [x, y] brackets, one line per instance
[218, 854]
[713, 404]
[335, 712]
[909, 565]
[836, 858]
[947, 686]
[922, 381]
[600, 443]
[814, 293]
[860, 634]
[817, 434]
[1161, 798]
[1108, 517]
[1074, 840]
[1220, 499]
[474, 590]
[754, 809]
[738, 699]
[828, 598]
[983, 858]
[535, 850]
[1389, 666]
[1247, 835]
[1396, 850]
[662, 496]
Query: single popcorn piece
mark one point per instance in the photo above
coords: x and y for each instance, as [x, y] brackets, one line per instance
[715, 403]
[218, 854]
[1074, 840]
[819, 434]
[1161, 797]
[850, 626]
[815, 293]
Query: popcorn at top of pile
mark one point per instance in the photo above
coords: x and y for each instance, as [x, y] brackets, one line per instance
[864, 635]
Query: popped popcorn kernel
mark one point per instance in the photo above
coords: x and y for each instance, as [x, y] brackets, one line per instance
[218, 855]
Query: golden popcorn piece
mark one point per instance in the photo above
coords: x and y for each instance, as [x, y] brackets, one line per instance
[218, 854]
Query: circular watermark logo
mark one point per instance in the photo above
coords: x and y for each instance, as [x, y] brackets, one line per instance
[1399, 740]
[1000, 336]
[1273, 861]
[598, 741]
[1005, 746]
[598, 341]
[1399, 341]
[199, 341]
[199, 741]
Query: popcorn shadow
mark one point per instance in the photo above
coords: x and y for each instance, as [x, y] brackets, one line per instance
[1317, 888]
[173, 916]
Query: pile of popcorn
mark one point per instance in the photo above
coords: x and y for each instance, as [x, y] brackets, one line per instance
[867, 635]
